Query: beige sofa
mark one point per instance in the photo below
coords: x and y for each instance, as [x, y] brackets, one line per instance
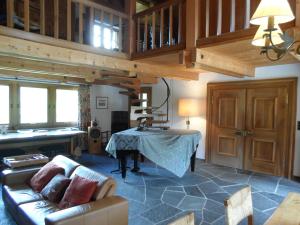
[29, 207]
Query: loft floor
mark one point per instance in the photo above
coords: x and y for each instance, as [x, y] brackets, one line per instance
[157, 197]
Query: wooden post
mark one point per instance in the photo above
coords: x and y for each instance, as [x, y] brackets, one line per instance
[192, 20]
[69, 20]
[171, 25]
[26, 16]
[10, 13]
[132, 38]
[161, 27]
[146, 33]
[92, 18]
[179, 22]
[42, 17]
[138, 34]
[120, 34]
[56, 19]
[153, 30]
[81, 23]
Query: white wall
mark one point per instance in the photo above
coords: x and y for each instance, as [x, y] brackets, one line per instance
[116, 102]
[198, 89]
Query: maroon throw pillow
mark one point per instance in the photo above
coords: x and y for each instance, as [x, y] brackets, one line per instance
[80, 191]
[56, 188]
[45, 174]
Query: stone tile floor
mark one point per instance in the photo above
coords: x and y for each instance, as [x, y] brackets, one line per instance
[157, 197]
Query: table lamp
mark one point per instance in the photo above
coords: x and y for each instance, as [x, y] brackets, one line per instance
[188, 107]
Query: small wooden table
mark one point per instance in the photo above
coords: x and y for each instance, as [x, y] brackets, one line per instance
[288, 212]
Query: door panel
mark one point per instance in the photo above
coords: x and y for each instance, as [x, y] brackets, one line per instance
[228, 117]
[266, 123]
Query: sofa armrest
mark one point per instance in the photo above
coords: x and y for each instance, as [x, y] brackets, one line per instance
[106, 211]
[14, 177]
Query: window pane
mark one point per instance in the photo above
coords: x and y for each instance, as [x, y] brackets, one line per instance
[97, 35]
[33, 105]
[4, 104]
[107, 38]
[66, 105]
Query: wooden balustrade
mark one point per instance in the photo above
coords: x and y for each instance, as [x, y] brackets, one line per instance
[161, 27]
[225, 20]
[71, 20]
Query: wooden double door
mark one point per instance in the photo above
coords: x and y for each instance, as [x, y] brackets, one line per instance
[252, 125]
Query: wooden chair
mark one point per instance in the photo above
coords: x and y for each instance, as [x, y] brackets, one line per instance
[188, 219]
[238, 207]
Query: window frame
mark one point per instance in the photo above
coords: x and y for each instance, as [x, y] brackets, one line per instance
[15, 105]
[10, 100]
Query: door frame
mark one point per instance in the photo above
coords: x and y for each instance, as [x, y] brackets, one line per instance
[290, 83]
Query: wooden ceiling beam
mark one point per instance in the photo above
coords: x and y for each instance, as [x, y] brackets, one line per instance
[43, 52]
[216, 62]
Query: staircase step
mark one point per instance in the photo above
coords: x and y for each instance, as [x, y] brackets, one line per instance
[138, 100]
[160, 121]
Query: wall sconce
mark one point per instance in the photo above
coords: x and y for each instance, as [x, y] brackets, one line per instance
[188, 107]
[268, 15]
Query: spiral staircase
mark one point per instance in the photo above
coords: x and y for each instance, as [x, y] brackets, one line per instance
[155, 117]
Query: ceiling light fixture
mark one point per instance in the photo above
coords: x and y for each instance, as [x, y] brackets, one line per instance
[268, 15]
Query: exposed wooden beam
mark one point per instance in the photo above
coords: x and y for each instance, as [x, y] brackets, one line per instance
[54, 69]
[48, 53]
[216, 62]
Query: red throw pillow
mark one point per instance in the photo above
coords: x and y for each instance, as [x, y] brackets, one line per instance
[80, 191]
[45, 174]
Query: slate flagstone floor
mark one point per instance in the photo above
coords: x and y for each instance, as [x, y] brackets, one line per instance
[157, 197]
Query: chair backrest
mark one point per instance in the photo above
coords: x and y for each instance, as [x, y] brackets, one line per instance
[188, 219]
[238, 207]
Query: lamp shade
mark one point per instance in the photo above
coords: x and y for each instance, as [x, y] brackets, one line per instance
[260, 40]
[279, 9]
[188, 107]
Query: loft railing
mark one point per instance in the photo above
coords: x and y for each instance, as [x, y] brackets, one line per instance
[227, 20]
[80, 21]
[160, 28]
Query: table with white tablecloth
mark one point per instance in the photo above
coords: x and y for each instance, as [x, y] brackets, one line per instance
[171, 149]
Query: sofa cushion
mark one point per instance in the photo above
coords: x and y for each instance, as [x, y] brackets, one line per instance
[20, 194]
[45, 174]
[56, 188]
[35, 212]
[80, 191]
[66, 163]
[106, 185]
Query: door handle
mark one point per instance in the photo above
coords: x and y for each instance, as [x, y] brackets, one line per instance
[249, 133]
[244, 133]
[239, 133]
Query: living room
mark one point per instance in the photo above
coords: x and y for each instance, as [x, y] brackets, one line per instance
[149, 112]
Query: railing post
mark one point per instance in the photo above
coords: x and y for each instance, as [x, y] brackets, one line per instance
[26, 16]
[92, 18]
[56, 19]
[146, 33]
[171, 25]
[81, 23]
[161, 27]
[10, 12]
[69, 20]
[138, 34]
[153, 30]
[120, 34]
[102, 29]
[42, 17]
[111, 21]
[179, 22]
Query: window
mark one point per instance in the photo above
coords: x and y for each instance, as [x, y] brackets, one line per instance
[66, 106]
[4, 104]
[110, 36]
[33, 105]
